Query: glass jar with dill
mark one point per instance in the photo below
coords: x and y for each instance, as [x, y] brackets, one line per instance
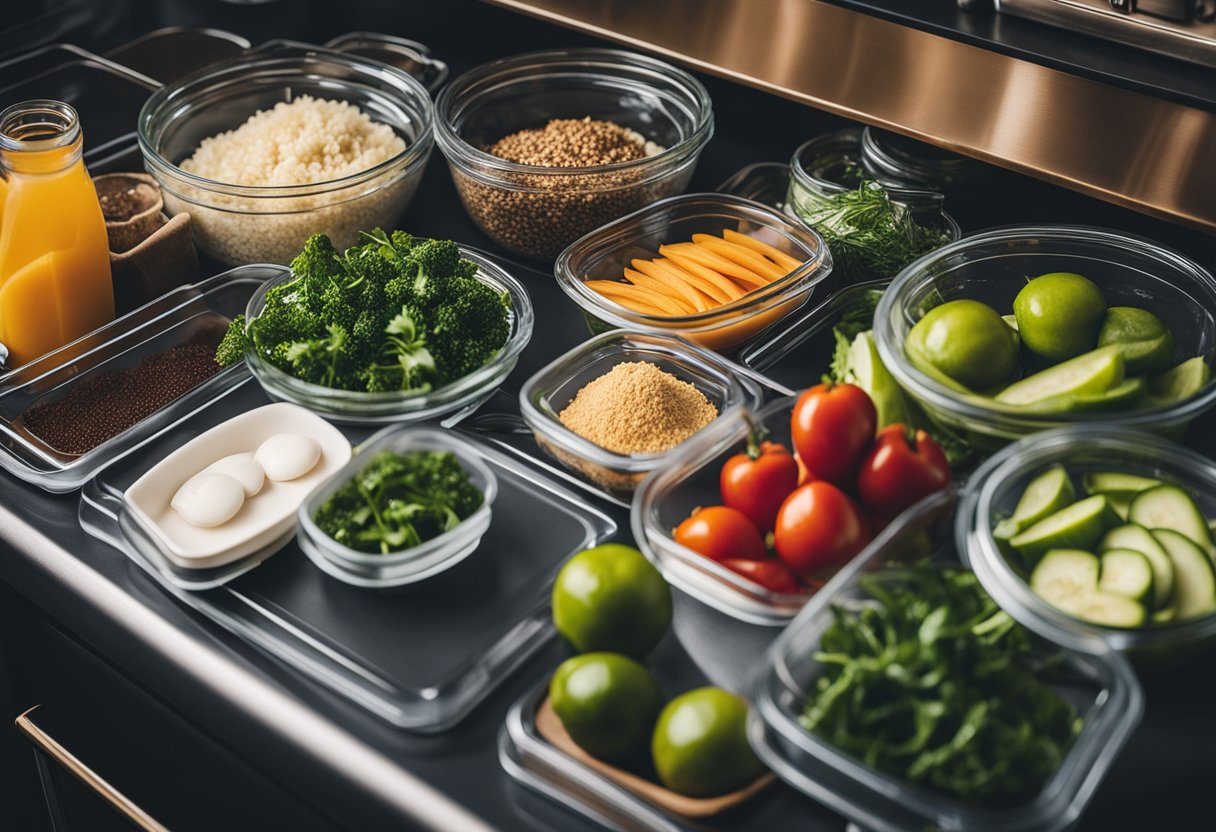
[872, 231]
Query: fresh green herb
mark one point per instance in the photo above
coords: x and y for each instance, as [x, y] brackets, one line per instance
[390, 314]
[932, 683]
[870, 235]
[398, 501]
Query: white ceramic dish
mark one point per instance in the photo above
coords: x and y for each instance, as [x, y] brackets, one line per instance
[264, 520]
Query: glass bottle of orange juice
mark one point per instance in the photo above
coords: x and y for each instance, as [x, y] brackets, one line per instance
[54, 258]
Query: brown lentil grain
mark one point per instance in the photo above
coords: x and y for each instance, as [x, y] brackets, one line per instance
[638, 408]
[102, 406]
[538, 215]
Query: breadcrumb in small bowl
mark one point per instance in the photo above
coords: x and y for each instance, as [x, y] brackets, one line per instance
[265, 152]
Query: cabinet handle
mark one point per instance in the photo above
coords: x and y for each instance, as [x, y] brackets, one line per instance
[57, 752]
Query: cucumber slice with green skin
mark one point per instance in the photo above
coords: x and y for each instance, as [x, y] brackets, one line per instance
[1128, 573]
[1179, 383]
[1194, 578]
[1170, 507]
[1088, 374]
[1139, 539]
[1079, 526]
[1126, 396]
[1109, 482]
[1164, 616]
[1046, 494]
[1121, 503]
[1065, 573]
[1106, 609]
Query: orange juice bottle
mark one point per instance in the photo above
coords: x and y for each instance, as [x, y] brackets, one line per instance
[54, 258]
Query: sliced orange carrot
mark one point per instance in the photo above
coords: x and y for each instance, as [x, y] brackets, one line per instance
[643, 274]
[687, 260]
[741, 255]
[622, 292]
[718, 289]
[773, 253]
[707, 258]
[663, 287]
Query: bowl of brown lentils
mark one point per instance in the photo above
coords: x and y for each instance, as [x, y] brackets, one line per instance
[547, 146]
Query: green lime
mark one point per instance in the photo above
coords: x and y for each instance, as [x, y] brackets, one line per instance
[1089, 374]
[700, 744]
[611, 598]
[1079, 526]
[1180, 383]
[1147, 345]
[1059, 315]
[966, 341]
[607, 703]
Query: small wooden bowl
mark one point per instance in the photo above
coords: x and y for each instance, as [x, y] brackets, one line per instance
[550, 727]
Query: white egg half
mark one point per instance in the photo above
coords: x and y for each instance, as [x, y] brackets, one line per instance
[243, 468]
[209, 499]
[286, 456]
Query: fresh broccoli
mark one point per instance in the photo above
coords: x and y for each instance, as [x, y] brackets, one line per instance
[398, 501]
[232, 346]
[391, 313]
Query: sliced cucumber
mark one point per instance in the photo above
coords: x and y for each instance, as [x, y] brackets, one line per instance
[1170, 507]
[1063, 574]
[1125, 396]
[1128, 573]
[1194, 579]
[1179, 383]
[1047, 493]
[1088, 374]
[1138, 539]
[1164, 616]
[1121, 503]
[1079, 526]
[1108, 482]
[1106, 609]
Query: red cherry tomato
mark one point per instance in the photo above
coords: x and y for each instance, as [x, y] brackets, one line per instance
[757, 482]
[900, 470]
[819, 528]
[721, 533]
[771, 574]
[832, 427]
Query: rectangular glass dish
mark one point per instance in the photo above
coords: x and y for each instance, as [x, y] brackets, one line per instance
[189, 313]
[1101, 686]
[483, 618]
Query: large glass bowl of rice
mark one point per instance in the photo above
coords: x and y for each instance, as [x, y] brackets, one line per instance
[264, 152]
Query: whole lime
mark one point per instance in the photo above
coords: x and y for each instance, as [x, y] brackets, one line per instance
[1145, 341]
[611, 598]
[966, 341]
[607, 703]
[1059, 315]
[700, 744]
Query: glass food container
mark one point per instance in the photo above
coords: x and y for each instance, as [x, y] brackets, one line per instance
[250, 224]
[419, 562]
[537, 211]
[994, 265]
[545, 395]
[995, 490]
[606, 252]
[453, 401]
[1101, 685]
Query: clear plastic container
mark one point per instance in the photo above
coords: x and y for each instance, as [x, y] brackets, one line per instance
[994, 492]
[243, 224]
[404, 54]
[538, 211]
[1101, 685]
[452, 401]
[689, 478]
[545, 395]
[482, 619]
[419, 562]
[189, 313]
[993, 266]
[606, 252]
[825, 167]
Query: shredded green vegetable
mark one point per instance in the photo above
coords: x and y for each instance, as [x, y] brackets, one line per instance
[932, 683]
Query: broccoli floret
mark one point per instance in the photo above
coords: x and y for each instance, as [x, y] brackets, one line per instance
[406, 346]
[468, 328]
[431, 264]
[316, 267]
[316, 359]
[231, 348]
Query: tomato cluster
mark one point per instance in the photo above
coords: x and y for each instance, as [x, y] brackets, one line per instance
[820, 505]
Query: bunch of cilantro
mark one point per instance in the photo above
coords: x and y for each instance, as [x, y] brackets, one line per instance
[393, 313]
[398, 501]
[933, 683]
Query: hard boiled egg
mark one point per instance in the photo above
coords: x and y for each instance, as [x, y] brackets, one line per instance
[209, 499]
[243, 468]
[286, 456]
